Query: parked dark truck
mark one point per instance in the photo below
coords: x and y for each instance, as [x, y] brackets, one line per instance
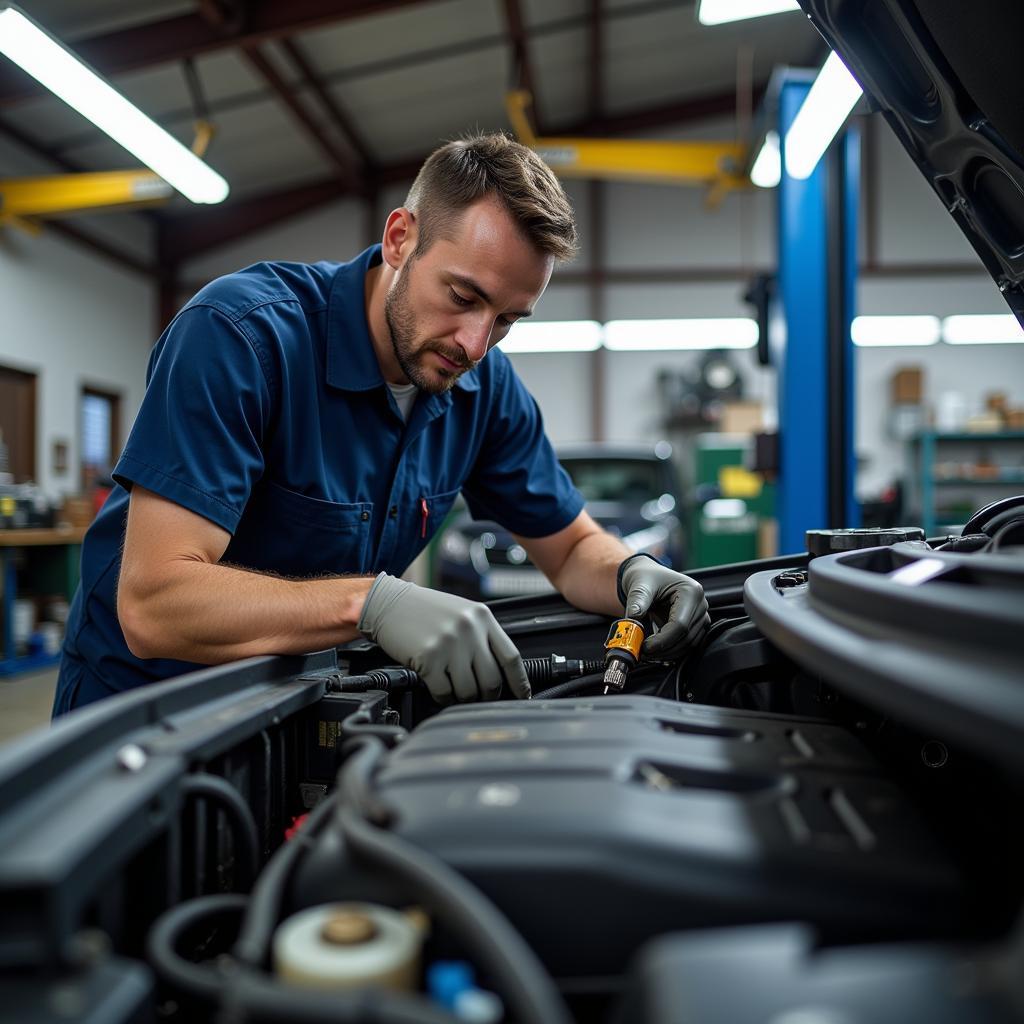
[632, 490]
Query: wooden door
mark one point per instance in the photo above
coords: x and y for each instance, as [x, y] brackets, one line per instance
[18, 422]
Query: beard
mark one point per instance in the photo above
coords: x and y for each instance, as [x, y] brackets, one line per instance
[401, 321]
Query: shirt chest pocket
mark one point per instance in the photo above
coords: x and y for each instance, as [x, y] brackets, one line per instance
[296, 535]
[416, 523]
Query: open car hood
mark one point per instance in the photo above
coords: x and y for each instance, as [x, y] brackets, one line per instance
[946, 75]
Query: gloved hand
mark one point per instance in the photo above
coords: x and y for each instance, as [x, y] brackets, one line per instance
[676, 604]
[456, 646]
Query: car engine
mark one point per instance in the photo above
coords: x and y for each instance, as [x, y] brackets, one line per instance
[814, 816]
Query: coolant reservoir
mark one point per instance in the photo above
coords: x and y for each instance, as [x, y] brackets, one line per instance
[346, 945]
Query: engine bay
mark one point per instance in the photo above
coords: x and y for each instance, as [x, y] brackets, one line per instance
[817, 807]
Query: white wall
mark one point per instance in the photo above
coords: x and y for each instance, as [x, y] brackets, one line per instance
[73, 318]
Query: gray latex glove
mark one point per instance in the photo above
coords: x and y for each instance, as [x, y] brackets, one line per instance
[456, 646]
[675, 602]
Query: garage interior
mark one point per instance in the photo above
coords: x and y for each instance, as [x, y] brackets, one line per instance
[660, 341]
[320, 120]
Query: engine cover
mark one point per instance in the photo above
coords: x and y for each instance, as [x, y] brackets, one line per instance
[596, 824]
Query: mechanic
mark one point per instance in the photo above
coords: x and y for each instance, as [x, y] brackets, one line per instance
[305, 429]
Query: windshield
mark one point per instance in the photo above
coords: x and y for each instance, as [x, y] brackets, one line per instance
[632, 481]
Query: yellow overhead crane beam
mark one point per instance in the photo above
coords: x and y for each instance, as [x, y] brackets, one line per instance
[715, 164]
[24, 201]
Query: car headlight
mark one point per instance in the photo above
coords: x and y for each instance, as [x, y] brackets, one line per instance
[455, 547]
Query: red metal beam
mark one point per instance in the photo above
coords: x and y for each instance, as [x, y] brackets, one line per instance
[105, 249]
[195, 232]
[595, 66]
[523, 69]
[341, 121]
[349, 172]
[69, 231]
[40, 149]
[697, 108]
[190, 35]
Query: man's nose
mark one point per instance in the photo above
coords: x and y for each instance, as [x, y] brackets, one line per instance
[474, 337]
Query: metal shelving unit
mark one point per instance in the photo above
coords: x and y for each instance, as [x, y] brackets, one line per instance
[923, 458]
[59, 551]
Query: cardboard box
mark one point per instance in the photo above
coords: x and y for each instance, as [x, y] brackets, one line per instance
[767, 538]
[741, 418]
[908, 386]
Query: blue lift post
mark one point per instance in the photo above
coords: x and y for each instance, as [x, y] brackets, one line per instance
[811, 344]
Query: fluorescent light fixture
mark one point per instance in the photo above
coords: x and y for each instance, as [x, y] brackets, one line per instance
[767, 169]
[879, 331]
[554, 336]
[993, 329]
[57, 68]
[671, 335]
[718, 12]
[824, 111]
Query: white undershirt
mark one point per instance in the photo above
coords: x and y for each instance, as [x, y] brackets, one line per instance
[405, 396]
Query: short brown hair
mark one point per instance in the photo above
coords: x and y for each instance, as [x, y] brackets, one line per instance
[461, 172]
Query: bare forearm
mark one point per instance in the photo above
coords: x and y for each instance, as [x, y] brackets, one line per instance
[211, 613]
[587, 578]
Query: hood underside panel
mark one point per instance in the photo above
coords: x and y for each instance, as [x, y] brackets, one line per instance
[946, 76]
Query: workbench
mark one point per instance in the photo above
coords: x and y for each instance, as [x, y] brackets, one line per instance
[51, 560]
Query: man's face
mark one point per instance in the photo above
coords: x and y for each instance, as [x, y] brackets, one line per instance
[450, 305]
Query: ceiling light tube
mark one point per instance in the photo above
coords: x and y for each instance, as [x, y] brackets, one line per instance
[825, 109]
[57, 68]
[718, 12]
[988, 329]
[767, 169]
[554, 336]
[881, 331]
[673, 335]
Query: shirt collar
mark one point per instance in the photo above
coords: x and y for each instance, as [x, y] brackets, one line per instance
[351, 360]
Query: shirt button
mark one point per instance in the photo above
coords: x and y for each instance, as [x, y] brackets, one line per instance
[393, 512]
[364, 516]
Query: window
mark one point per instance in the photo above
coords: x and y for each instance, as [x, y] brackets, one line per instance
[99, 438]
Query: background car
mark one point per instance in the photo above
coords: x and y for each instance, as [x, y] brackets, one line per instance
[633, 491]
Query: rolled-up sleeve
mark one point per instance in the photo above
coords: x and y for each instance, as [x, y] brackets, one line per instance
[198, 437]
[517, 479]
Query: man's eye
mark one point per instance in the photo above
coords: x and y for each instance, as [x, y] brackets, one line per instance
[458, 299]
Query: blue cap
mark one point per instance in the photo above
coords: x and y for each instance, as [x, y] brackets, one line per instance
[448, 979]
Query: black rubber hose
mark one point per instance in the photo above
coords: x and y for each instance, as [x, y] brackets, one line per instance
[538, 670]
[361, 724]
[543, 670]
[570, 688]
[968, 543]
[990, 517]
[516, 972]
[697, 651]
[205, 983]
[250, 995]
[263, 910]
[1005, 531]
[229, 800]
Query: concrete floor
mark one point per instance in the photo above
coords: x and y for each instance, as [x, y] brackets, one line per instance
[25, 702]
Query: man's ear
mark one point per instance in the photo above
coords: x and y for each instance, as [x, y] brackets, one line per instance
[400, 232]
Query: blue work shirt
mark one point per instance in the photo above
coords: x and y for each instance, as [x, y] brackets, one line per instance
[266, 413]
